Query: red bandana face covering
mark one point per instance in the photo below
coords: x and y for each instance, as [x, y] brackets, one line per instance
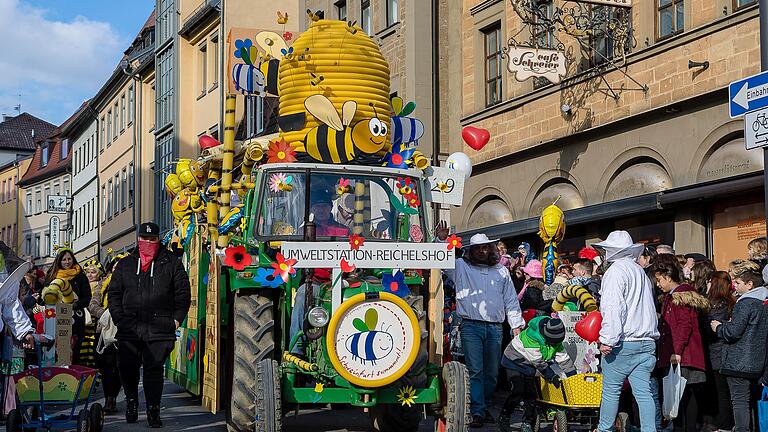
[147, 251]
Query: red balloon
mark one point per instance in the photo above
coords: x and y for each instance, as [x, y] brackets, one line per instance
[589, 326]
[475, 137]
[207, 141]
[529, 314]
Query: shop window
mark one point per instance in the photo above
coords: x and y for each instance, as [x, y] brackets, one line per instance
[492, 41]
[735, 222]
[670, 18]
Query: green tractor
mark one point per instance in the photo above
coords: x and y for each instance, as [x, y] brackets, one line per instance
[333, 306]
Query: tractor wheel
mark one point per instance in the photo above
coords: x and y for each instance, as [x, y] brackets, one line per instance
[254, 327]
[561, 421]
[456, 416]
[268, 411]
[398, 418]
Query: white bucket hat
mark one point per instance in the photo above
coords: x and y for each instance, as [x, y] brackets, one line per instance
[619, 244]
[480, 239]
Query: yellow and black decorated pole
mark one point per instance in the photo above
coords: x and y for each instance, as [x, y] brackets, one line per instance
[227, 163]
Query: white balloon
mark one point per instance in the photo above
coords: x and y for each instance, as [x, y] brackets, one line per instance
[460, 162]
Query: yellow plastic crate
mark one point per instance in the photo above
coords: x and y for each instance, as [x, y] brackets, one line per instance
[577, 391]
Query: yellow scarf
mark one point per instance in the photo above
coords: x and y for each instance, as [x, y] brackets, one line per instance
[67, 275]
[104, 286]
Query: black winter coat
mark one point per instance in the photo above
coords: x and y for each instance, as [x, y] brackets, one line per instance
[744, 353]
[714, 344]
[143, 306]
[534, 298]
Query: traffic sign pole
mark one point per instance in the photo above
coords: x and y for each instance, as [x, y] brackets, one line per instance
[764, 67]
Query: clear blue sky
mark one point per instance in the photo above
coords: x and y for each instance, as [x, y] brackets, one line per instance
[58, 53]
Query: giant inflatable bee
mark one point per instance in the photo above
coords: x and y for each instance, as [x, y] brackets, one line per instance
[335, 140]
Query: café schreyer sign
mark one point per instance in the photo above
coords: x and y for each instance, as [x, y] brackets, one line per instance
[526, 62]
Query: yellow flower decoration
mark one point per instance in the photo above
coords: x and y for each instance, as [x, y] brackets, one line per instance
[407, 396]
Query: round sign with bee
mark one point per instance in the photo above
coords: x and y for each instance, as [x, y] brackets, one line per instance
[373, 339]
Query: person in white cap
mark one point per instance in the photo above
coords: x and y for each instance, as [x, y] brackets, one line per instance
[485, 297]
[628, 332]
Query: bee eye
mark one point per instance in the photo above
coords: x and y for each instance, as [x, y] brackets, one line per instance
[383, 129]
[374, 125]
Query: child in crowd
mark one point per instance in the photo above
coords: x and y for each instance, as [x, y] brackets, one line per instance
[535, 350]
[744, 352]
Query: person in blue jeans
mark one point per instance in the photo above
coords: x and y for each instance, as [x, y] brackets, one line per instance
[485, 297]
[628, 332]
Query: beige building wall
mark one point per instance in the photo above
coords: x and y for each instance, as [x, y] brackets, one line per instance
[676, 134]
[20, 211]
[35, 238]
[9, 204]
[116, 156]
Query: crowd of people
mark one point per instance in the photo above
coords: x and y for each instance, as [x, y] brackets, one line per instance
[660, 312]
[125, 315]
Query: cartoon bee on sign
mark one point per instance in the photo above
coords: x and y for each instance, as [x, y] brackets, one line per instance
[336, 140]
[369, 344]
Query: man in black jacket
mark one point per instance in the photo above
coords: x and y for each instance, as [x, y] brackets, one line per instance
[149, 296]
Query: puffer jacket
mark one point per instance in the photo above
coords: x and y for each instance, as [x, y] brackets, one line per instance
[530, 349]
[144, 304]
[679, 328]
[718, 312]
[744, 353]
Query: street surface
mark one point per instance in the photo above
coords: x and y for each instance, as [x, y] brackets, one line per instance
[182, 412]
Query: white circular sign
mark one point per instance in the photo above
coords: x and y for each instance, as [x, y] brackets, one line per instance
[373, 343]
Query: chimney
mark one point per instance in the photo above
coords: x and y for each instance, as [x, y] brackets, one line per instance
[7, 117]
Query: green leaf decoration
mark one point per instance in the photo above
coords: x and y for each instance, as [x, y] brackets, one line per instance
[371, 318]
[409, 107]
[401, 207]
[360, 325]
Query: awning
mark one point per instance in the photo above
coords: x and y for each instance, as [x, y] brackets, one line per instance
[633, 206]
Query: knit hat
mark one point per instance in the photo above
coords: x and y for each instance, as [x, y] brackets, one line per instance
[553, 330]
[533, 269]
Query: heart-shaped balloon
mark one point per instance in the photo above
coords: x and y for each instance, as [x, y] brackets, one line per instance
[207, 141]
[588, 328]
[475, 137]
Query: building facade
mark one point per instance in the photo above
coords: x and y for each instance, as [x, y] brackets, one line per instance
[49, 173]
[83, 134]
[407, 32]
[119, 143]
[642, 142]
[9, 202]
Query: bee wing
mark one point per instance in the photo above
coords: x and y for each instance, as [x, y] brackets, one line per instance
[322, 108]
[348, 112]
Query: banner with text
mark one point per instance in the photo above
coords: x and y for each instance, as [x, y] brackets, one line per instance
[526, 62]
[370, 255]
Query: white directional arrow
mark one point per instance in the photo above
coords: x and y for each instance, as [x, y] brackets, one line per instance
[747, 95]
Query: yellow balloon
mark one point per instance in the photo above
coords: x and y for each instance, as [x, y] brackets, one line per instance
[552, 224]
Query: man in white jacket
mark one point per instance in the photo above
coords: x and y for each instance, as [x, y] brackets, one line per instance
[628, 332]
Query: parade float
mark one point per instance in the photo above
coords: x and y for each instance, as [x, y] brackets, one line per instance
[314, 270]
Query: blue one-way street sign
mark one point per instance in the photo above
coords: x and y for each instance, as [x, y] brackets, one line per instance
[748, 94]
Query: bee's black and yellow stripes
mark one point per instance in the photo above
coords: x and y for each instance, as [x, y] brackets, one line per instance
[328, 145]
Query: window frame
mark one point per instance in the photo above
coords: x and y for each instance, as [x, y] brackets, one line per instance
[115, 121]
[131, 103]
[110, 192]
[124, 189]
[109, 128]
[390, 18]
[341, 5]
[214, 48]
[103, 204]
[749, 3]
[123, 116]
[102, 138]
[365, 24]
[486, 31]
[131, 187]
[672, 6]
[45, 155]
[202, 67]
[116, 185]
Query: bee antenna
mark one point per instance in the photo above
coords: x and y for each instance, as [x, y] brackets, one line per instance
[374, 109]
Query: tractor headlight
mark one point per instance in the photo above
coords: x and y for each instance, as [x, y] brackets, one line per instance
[318, 316]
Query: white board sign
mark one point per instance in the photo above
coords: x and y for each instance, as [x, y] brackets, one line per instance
[619, 3]
[54, 226]
[756, 129]
[527, 62]
[57, 204]
[445, 185]
[580, 351]
[370, 255]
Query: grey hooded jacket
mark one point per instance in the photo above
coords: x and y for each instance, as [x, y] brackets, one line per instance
[744, 353]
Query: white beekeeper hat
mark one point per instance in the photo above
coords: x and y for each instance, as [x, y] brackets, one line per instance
[480, 239]
[619, 244]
